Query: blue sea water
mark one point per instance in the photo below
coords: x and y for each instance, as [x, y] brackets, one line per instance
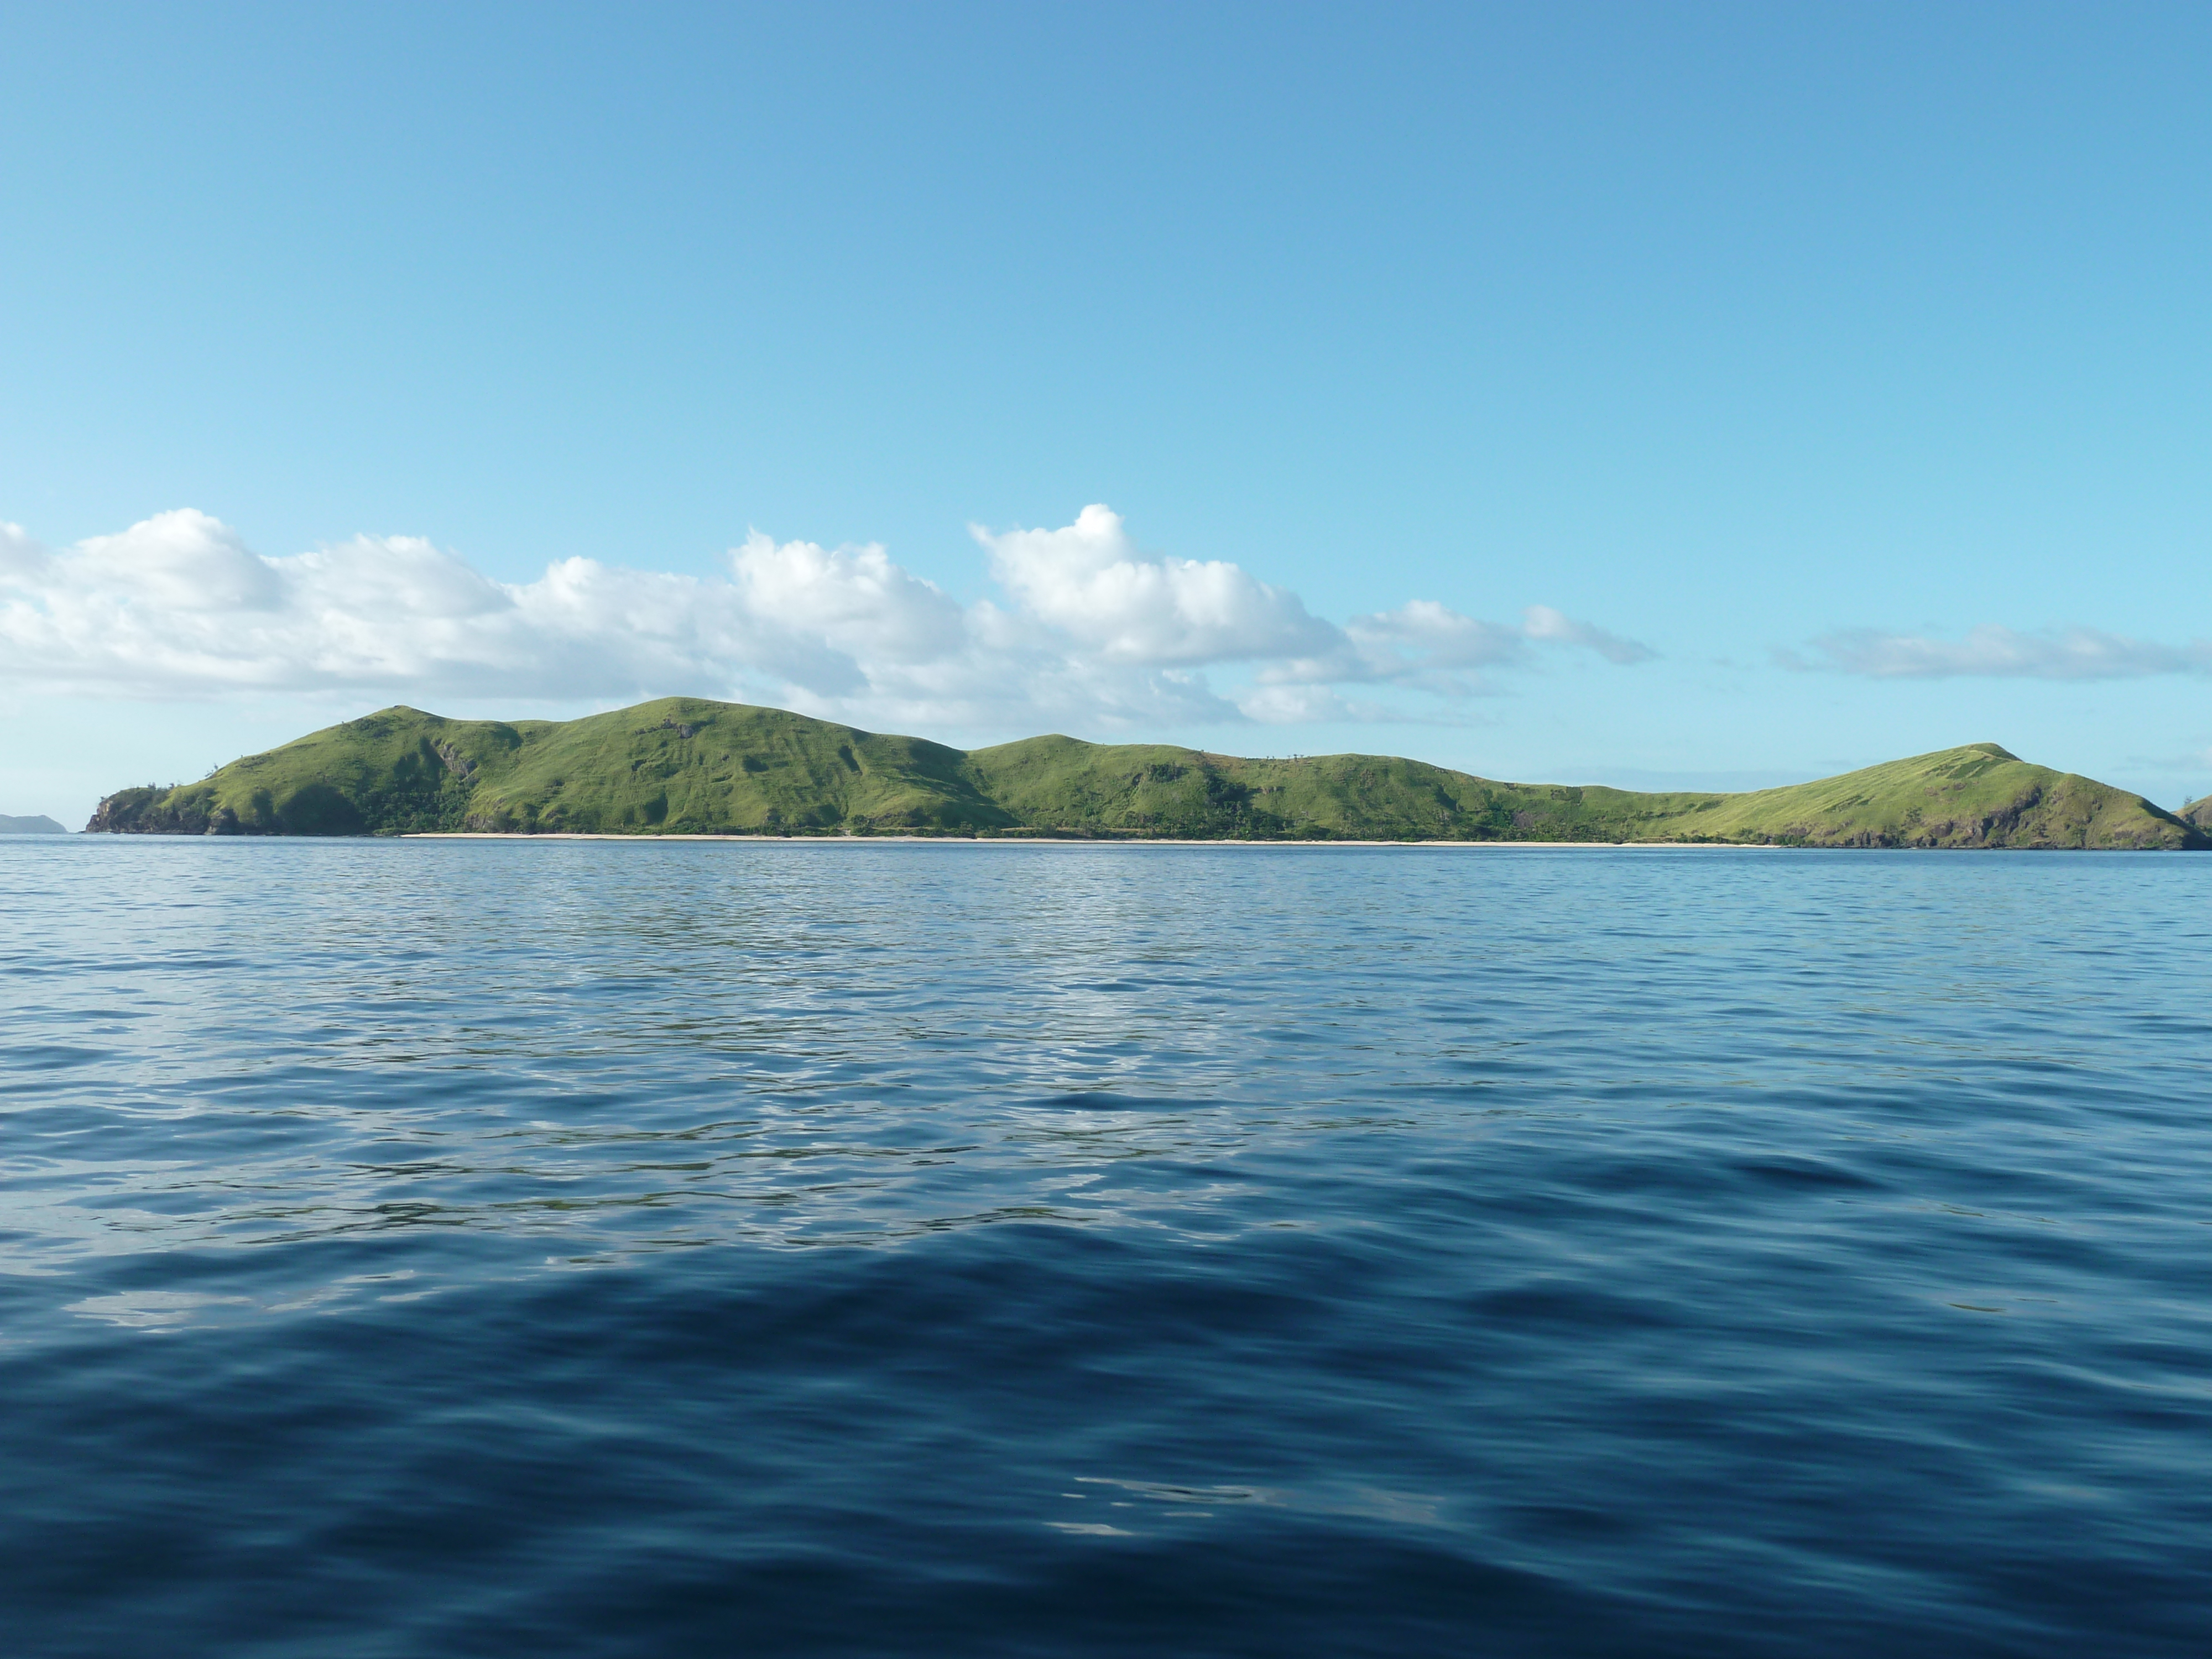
[558, 1248]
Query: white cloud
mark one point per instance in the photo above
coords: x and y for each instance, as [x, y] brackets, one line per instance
[855, 598]
[1425, 645]
[1431, 647]
[1545, 623]
[1446, 639]
[1090, 582]
[1311, 705]
[1094, 632]
[1990, 651]
[21, 559]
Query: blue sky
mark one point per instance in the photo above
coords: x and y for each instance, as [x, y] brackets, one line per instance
[1832, 381]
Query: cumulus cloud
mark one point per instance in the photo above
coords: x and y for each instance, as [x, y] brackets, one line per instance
[1090, 582]
[1092, 629]
[1990, 651]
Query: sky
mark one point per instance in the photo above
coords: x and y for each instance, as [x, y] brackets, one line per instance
[1705, 396]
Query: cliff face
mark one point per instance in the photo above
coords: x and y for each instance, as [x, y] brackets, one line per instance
[150, 810]
[688, 766]
[313, 809]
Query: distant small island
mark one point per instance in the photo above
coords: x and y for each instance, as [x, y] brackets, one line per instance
[687, 766]
[39, 825]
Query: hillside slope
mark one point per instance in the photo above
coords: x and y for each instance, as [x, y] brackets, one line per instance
[685, 765]
[679, 765]
[1978, 795]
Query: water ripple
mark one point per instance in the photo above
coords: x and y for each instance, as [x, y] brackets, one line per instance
[426, 1248]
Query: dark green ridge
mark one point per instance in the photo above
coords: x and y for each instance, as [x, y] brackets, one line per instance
[686, 766]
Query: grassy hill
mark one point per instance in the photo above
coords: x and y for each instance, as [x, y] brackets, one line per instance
[680, 765]
[1977, 796]
[685, 765]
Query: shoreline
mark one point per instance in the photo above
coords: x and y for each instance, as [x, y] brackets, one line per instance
[1086, 841]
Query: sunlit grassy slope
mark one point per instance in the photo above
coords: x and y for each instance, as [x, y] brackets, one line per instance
[687, 766]
[1975, 796]
[678, 765]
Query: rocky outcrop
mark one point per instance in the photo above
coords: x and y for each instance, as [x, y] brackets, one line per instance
[150, 811]
[316, 809]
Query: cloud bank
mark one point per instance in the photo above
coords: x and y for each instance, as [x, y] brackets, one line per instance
[1090, 630]
[2071, 653]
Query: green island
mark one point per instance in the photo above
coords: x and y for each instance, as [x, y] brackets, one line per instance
[687, 766]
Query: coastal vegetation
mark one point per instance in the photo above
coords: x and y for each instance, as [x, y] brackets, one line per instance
[688, 766]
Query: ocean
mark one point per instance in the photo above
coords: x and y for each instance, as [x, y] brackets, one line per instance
[419, 1248]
